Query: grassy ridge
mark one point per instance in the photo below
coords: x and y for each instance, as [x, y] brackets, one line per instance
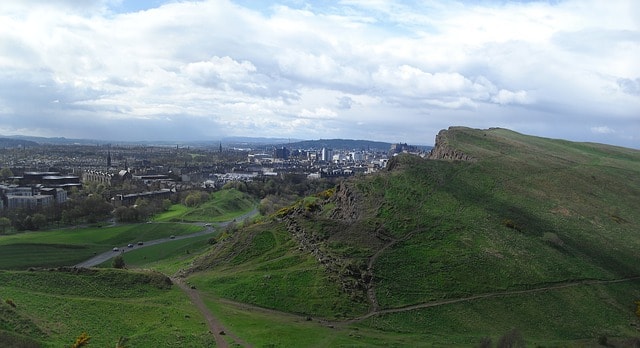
[508, 222]
[525, 213]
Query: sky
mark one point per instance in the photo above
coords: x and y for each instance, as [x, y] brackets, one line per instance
[395, 71]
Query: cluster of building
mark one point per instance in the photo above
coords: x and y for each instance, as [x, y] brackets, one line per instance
[154, 172]
[314, 163]
[37, 189]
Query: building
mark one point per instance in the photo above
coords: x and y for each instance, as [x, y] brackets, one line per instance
[327, 154]
[33, 197]
[130, 199]
[281, 153]
[106, 178]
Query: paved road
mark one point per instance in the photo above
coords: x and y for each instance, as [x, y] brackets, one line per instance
[100, 258]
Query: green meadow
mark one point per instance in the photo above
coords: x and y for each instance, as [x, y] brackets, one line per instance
[66, 247]
[223, 205]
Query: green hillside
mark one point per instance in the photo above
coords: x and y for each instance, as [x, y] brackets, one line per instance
[51, 308]
[535, 235]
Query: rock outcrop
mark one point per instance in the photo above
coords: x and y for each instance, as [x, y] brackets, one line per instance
[346, 201]
[443, 151]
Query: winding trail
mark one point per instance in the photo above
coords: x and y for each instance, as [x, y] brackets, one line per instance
[215, 327]
[487, 295]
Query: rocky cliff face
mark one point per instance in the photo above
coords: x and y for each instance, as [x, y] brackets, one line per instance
[347, 207]
[443, 151]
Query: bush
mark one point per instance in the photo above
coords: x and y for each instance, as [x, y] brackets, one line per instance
[81, 341]
[10, 302]
[485, 342]
[512, 339]
[552, 238]
[511, 224]
[118, 262]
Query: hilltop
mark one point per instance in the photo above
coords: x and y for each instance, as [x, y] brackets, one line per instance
[496, 232]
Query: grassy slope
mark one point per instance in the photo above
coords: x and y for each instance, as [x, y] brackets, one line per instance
[528, 213]
[263, 267]
[56, 307]
[53, 308]
[223, 205]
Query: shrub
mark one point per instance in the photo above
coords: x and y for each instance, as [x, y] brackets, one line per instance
[552, 238]
[326, 194]
[603, 340]
[511, 224]
[638, 309]
[81, 341]
[485, 342]
[118, 262]
[511, 339]
[10, 302]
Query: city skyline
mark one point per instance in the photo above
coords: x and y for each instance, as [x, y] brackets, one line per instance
[393, 71]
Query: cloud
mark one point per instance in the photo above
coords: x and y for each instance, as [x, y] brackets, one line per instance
[504, 97]
[629, 86]
[602, 130]
[390, 70]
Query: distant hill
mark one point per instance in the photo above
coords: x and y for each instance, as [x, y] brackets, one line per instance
[236, 142]
[343, 144]
[499, 234]
[13, 143]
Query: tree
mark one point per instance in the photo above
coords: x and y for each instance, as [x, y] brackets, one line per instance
[5, 173]
[118, 262]
[38, 221]
[4, 224]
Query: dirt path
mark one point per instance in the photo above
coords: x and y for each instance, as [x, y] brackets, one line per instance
[215, 327]
[371, 286]
[487, 295]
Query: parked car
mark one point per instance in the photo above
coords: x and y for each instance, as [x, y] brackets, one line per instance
[140, 243]
[172, 237]
[130, 245]
[116, 249]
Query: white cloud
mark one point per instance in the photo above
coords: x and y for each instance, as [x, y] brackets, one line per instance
[602, 130]
[399, 69]
[507, 97]
[319, 113]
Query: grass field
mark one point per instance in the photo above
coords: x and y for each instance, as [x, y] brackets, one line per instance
[168, 257]
[223, 205]
[67, 247]
[53, 308]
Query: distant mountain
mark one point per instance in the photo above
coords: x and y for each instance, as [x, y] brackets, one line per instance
[235, 141]
[11, 143]
[343, 144]
[56, 140]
